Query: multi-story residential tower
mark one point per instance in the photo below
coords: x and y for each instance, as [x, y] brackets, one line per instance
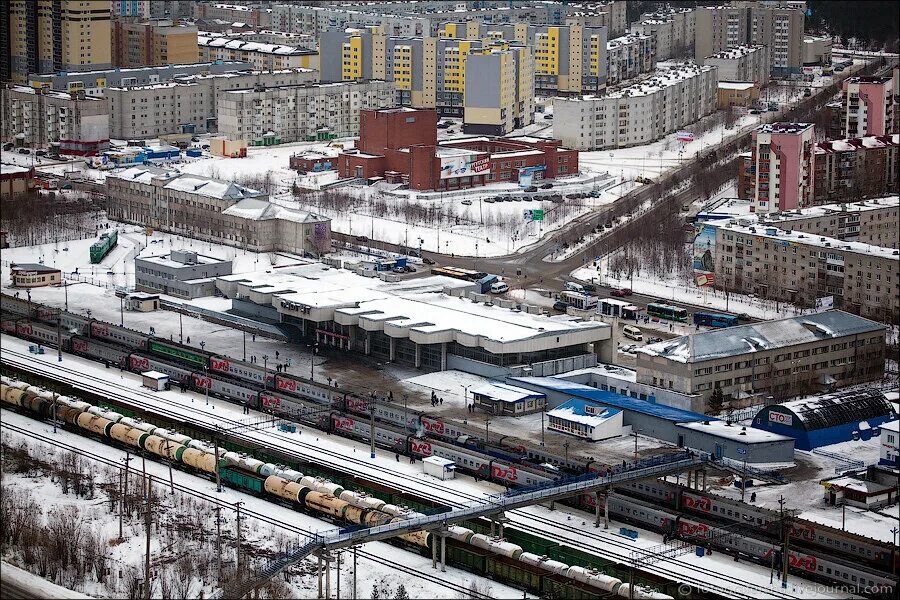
[868, 106]
[782, 167]
[854, 168]
[56, 35]
[743, 63]
[36, 117]
[130, 8]
[137, 43]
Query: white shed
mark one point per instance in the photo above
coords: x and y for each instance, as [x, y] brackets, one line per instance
[439, 467]
[155, 380]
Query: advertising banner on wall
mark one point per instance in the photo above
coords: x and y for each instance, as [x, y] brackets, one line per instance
[705, 253]
[825, 303]
[464, 166]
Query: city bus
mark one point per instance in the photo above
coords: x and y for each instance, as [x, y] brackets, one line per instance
[618, 308]
[714, 320]
[667, 311]
[578, 300]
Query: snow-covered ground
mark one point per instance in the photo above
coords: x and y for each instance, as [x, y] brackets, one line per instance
[257, 534]
[563, 524]
[40, 587]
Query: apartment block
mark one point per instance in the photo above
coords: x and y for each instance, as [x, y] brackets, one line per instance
[568, 58]
[779, 27]
[868, 106]
[185, 104]
[36, 117]
[262, 56]
[300, 112]
[255, 16]
[130, 8]
[93, 83]
[798, 267]
[55, 35]
[673, 32]
[846, 170]
[783, 358]
[742, 63]
[303, 41]
[137, 43]
[437, 73]
[873, 221]
[629, 56]
[782, 167]
[638, 114]
[213, 210]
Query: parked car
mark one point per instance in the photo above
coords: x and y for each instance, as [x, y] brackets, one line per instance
[399, 269]
[627, 291]
[507, 198]
[560, 306]
[443, 125]
[754, 111]
[410, 269]
[548, 117]
[546, 186]
[490, 200]
[654, 340]
[531, 188]
[590, 288]
[528, 198]
[8, 146]
[24, 151]
[428, 261]
[499, 287]
[361, 238]
[40, 153]
[617, 293]
[467, 203]
[451, 131]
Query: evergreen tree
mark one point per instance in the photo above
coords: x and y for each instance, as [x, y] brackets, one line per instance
[716, 402]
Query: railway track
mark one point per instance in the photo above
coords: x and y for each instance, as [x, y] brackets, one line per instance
[437, 493]
[217, 501]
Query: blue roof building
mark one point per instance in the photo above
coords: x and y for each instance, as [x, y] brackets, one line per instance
[586, 419]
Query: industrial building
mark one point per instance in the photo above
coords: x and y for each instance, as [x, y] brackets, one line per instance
[781, 358]
[855, 168]
[638, 114]
[400, 145]
[213, 210]
[15, 179]
[36, 117]
[890, 442]
[800, 268]
[490, 84]
[182, 273]
[415, 323]
[830, 419]
[185, 104]
[683, 428]
[502, 399]
[297, 113]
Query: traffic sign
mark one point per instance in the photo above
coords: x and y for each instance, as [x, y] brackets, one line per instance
[536, 214]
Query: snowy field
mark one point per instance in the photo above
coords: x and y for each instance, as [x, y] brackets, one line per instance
[562, 524]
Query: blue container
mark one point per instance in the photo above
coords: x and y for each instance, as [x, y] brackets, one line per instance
[700, 551]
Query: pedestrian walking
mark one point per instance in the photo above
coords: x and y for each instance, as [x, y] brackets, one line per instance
[442, 401]
[397, 456]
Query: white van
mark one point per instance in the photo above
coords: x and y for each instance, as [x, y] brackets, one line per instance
[571, 286]
[632, 333]
[499, 287]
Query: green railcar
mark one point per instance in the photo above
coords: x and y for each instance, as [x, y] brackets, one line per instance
[529, 542]
[468, 557]
[101, 247]
[178, 353]
[515, 573]
[554, 586]
[244, 481]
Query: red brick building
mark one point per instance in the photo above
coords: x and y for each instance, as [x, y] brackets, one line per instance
[313, 161]
[400, 144]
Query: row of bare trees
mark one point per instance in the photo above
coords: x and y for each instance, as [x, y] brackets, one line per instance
[38, 218]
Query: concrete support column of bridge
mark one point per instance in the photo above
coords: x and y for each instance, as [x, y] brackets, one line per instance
[434, 552]
[596, 509]
[328, 576]
[319, 574]
[606, 509]
[392, 349]
[443, 553]
[368, 343]
[443, 356]
[418, 356]
[351, 344]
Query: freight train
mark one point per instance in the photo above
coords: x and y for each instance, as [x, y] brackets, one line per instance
[431, 436]
[316, 495]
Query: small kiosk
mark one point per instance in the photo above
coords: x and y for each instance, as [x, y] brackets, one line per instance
[155, 380]
[439, 467]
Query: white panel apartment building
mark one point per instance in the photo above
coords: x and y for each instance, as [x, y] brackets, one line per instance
[629, 56]
[148, 111]
[743, 63]
[638, 114]
[673, 31]
[298, 112]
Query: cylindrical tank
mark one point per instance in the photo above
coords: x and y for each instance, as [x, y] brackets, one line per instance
[392, 509]
[81, 405]
[94, 423]
[205, 461]
[68, 414]
[105, 413]
[14, 396]
[138, 424]
[284, 488]
[554, 566]
[374, 518]
[232, 459]
[178, 438]
[418, 538]
[354, 514]
[594, 578]
[460, 534]
[496, 545]
[120, 433]
[251, 464]
[286, 473]
[624, 591]
[362, 500]
[163, 447]
[326, 504]
[321, 485]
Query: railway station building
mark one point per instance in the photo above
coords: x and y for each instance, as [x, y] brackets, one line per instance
[418, 322]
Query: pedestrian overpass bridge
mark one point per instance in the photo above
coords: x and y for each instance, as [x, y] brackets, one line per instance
[658, 466]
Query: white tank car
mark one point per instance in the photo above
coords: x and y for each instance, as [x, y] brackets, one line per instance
[641, 593]
[138, 424]
[544, 562]
[496, 545]
[594, 578]
[174, 436]
[250, 464]
[361, 500]
[460, 534]
[286, 473]
[322, 485]
[105, 413]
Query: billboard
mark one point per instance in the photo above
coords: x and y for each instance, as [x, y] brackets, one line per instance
[705, 251]
[464, 166]
[703, 279]
[825, 303]
[685, 136]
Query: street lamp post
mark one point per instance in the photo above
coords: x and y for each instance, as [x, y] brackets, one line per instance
[58, 338]
[207, 383]
[487, 434]
[566, 446]
[66, 292]
[312, 361]
[265, 358]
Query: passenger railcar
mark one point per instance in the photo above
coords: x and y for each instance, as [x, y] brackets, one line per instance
[241, 370]
[140, 363]
[117, 335]
[98, 350]
[360, 429]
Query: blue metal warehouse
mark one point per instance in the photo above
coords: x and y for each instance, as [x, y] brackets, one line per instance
[677, 426]
[828, 419]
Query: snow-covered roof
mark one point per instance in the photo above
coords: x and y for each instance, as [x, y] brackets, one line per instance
[257, 209]
[830, 209]
[809, 239]
[846, 482]
[583, 412]
[739, 340]
[505, 392]
[239, 44]
[891, 426]
[736, 85]
[854, 144]
[790, 128]
[7, 169]
[142, 174]
[738, 433]
[839, 408]
[734, 53]
[211, 188]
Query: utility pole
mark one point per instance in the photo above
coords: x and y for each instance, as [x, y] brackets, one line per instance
[487, 431]
[245, 346]
[543, 411]
[218, 469]
[786, 535]
[181, 331]
[148, 520]
[238, 535]
[218, 539]
[58, 350]
[372, 428]
[125, 493]
[354, 572]
[121, 503]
